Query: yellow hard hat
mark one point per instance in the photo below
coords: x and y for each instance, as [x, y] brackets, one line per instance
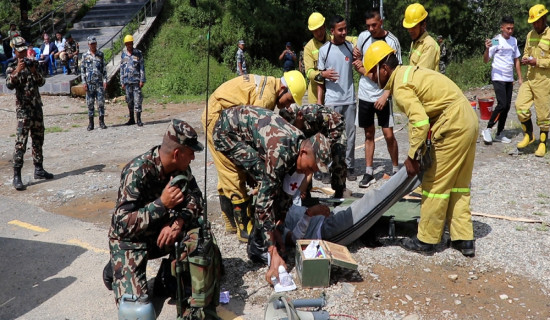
[375, 53]
[296, 85]
[414, 14]
[315, 21]
[536, 12]
[128, 38]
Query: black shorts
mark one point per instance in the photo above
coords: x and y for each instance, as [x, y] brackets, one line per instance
[367, 111]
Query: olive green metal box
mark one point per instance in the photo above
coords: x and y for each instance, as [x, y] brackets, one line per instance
[315, 272]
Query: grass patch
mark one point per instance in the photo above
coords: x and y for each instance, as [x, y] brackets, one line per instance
[521, 228]
[53, 129]
[75, 126]
[543, 228]
[542, 195]
[540, 214]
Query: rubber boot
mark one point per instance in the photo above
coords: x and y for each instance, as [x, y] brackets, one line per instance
[17, 182]
[102, 122]
[90, 123]
[528, 138]
[227, 214]
[541, 150]
[139, 123]
[255, 248]
[131, 120]
[40, 173]
[242, 219]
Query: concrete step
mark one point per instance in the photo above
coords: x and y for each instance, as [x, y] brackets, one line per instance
[101, 2]
[113, 16]
[121, 7]
[101, 23]
[107, 12]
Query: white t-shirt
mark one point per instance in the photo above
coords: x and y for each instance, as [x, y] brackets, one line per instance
[503, 57]
[340, 58]
[369, 90]
[60, 44]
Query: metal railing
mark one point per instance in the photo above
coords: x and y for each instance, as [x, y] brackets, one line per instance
[50, 19]
[146, 10]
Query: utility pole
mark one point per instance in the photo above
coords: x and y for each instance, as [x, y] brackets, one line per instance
[347, 11]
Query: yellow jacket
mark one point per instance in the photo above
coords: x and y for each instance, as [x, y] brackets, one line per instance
[425, 52]
[538, 46]
[311, 58]
[248, 89]
[412, 89]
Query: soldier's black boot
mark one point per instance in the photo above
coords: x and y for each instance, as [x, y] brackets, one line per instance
[227, 214]
[40, 173]
[102, 122]
[17, 183]
[131, 120]
[138, 116]
[108, 275]
[91, 123]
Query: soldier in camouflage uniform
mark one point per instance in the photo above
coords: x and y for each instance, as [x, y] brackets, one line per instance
[150, 213]
[94, 76]
[72, 48]
[23, 76]
[132, 79]
[315, 118]
[268, 148]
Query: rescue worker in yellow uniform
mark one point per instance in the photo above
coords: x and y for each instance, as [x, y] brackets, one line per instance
[537, 85]
[316, 24]
[443, 127]
[250, 89]
[424, 49]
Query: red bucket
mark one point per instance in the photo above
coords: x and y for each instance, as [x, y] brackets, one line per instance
[486, 107]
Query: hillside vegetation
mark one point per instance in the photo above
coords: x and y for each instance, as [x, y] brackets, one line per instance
[176, 57]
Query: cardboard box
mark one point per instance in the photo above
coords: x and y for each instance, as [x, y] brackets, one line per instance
[316, 272]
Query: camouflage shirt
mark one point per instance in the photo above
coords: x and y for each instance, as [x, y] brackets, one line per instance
[26, 85]
[72, 47]
[132, 67]
[93, 69]
[267, 147]
[321, 119]
[139, 212]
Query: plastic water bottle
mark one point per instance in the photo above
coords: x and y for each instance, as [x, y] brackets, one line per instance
[284, 277]
[132, 307]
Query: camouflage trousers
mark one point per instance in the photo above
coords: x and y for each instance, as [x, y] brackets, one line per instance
[30, 119]
[95, 92]
[134, 98]
[129, 261]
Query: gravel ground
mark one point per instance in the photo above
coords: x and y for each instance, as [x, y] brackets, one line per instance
[508, 278]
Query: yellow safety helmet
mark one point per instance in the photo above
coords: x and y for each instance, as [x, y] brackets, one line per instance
[414, 14]
[536, 12]
[128, 38]
[296, 85]
[315, 21]
[375, 53]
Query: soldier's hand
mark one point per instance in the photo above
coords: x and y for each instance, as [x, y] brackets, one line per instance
[141, 84]
[123, 87]
[85, 87]
[171, 196]
[276, 261]
[167, 236]
[20, 65]
[104, 85]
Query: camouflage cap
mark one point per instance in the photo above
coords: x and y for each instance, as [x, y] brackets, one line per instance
[182, 133]
[321, 149]
[92, 39]
[18, 43]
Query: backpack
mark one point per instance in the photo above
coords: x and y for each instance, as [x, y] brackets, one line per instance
[198, 266]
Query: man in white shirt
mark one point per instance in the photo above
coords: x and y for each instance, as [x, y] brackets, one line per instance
[372, 99]
[335, 64]
[504, 51]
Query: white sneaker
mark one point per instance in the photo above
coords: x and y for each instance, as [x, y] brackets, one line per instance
[487, 135]
[502, 138]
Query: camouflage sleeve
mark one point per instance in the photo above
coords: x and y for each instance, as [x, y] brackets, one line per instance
[141, 68]
[191, 208]
[123, 68]
[83, 68]
[129, 219]
[104, 67]
[38, 77]
[11, 81]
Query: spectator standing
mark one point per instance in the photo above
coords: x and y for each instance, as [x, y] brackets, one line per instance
[288, 57]
[424, 50]
[25, 78]
[132, 79]
[13, 32]
[505, 54]
[335, 65]
[150, 213]
[372, 99]
[94, 77]
[72, 49]
[241, 61]
[47, 52]
[535, 89]
[443, 54]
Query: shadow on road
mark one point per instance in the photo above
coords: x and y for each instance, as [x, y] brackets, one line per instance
[29, 271]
